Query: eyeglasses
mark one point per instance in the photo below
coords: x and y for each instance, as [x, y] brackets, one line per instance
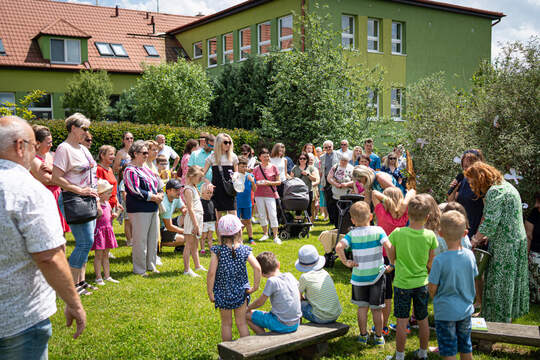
[88, 140]
[84, 128]
[27, 142]
[227, 142]
[326, 147]
[128, 138]
[344, 144]
[145, 153]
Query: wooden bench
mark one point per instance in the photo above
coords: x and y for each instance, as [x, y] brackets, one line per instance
[507, 333]
[310, 340]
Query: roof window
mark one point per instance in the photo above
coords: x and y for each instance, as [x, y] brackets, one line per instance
[2, 49]
[119, 50]
[104, 49]
[151, 50]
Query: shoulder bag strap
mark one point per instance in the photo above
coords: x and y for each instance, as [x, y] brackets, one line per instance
[264, 175]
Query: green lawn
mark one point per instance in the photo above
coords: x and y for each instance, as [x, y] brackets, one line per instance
[168, 316]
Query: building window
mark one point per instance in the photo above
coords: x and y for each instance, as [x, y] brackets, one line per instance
[228, 50]
[285, 33]
[119, 50]
[43, 107]
[347, 31]
[181, 53]
[373, 104]
[7, 97]
[104, 49]
[2, 48]
[151, 50]
[264, 36]
[373, 35]
[64, 51]
[244, 39]
[197, 50]
[396, 104]
[397, 38]
[212, 52]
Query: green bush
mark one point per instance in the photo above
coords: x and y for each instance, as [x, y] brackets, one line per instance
[89, 93]
[111, 134]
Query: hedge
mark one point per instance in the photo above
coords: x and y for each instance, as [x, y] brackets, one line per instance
[110, 133]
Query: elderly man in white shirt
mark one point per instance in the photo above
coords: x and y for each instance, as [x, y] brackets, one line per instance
[32, 260]
[168, 151]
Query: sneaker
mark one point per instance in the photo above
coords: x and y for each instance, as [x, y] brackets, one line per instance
[252, 242]
[158, 261]
[264, 238]
[417, 355]
[385, 330]
[254, 221]
[129, 243]
[191, 273]
[277, 240]
[363, 339]
[379, 341]
[111, 256]
[110, 279]
[393, 327]
[200, 268]
[100, 282]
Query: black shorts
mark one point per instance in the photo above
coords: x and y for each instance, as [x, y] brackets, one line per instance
[167, 236]
[370, 295]
[402, 302]
[389, 281]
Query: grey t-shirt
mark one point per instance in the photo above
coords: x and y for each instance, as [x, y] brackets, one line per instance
[284, 296]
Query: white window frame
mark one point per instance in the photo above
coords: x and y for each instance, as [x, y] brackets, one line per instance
[397, 41]
[194, 52]
[374, 38]
[286, 37]
[374, 95]
[243, 48]
[65, 51]
[398, 106]
[210, 55]
[260, 43]
[227, 52]
[44, 109]
[12, 108]
[347, 35]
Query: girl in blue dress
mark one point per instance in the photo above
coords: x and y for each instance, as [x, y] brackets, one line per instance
[227, 281]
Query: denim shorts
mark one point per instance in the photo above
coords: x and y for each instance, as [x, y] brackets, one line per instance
[307, 313]
[270, 321]
[454, 336]
[31, 343]
[402, 302]
[244, 213]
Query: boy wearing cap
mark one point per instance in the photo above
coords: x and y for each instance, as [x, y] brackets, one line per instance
[282, 289]
[368, 282]
[171, 233]
[320, 302]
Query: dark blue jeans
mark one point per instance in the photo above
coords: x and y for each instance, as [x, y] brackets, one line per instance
[30, 344]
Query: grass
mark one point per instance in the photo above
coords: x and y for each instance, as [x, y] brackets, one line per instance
[168, 316]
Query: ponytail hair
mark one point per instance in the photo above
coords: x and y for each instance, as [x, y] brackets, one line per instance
[231, 239]
[393, 198]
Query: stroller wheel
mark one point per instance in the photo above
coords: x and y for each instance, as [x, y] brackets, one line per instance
[284, 235]
[304, 233]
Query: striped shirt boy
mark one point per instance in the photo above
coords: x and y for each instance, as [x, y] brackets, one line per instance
[366, 243]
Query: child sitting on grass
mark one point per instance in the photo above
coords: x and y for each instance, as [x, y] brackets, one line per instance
[412, 253]
[227, 281]
[368, 281]
[209, 217]
[320, 303]
[451, 285]
[282, 289]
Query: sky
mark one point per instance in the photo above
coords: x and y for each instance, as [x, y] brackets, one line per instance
[519, 24]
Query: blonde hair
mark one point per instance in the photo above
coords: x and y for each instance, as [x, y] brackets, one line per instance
[360, 212]
[193, 171]
[217, 147]
[386, 161]
[362, 171]
[104, 149]
[275, 149]
[151, 143]
[453, 225]
[77, 120]
[393, 198]
[434, 219]
[419, 208]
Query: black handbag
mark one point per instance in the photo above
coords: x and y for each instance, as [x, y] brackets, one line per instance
[227, 183]
[79, 209]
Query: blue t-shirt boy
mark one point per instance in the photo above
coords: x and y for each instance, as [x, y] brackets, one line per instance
[453, 271]
[243, 199]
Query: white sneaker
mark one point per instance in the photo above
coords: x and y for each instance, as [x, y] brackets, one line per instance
[254, 221]
[100, 282]
[277, 240]
[110, 279]
[111, 256]
[129, 243]
[200, 268]
[264, 237]
[191, 273]
[158, 261]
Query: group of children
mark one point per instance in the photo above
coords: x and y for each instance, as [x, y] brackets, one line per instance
[390, 260]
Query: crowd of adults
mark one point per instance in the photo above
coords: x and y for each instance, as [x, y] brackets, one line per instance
[148, 191]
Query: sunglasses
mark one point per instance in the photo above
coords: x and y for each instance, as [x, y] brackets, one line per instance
[88, 140]
[326, 147]
[392, 158]
[227, 142]
[128, 138]
[343, 144]
[84, 128]
[145, 153]
[302, 158]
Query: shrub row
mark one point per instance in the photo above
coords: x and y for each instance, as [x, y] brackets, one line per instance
[109, 133]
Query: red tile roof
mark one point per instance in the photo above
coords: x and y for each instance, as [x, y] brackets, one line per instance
[23, 20]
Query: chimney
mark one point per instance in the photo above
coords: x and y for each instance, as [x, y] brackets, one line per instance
[147, 15]
[153, 23]
[200, 14]
[116, 11]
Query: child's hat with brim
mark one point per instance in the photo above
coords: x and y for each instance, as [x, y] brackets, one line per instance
[309, 259]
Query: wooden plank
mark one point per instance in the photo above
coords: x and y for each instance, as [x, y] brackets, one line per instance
[271, 344]
[509, 333]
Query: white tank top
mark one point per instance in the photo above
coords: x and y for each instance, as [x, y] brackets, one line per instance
[280, 164]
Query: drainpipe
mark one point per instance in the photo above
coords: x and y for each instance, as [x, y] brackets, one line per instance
[302, 29]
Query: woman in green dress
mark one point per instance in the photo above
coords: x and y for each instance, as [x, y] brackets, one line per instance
[506, 293]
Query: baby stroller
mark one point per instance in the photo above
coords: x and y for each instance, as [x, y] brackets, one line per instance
[344, 224]
[292, 210]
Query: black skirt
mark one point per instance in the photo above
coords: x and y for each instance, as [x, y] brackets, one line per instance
[222, 201]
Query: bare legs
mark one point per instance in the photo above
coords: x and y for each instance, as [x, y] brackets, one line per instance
[240, 319]
[191, 248]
